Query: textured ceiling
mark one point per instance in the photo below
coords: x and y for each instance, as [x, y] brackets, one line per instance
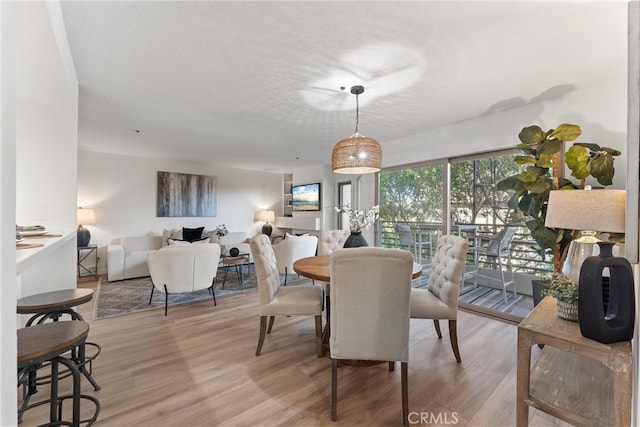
[257, 85]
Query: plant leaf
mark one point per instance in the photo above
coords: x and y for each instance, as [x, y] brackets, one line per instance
[577, 159]
[531, 135]
[539, 186]
[523, 160]
[550, 147]
[566, 132]
[602, 168]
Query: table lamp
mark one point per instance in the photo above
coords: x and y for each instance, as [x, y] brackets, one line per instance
[86, 217]
[606, 302]
[590, 212]
[267, 217]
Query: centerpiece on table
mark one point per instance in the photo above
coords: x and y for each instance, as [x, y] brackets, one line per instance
[359, 220]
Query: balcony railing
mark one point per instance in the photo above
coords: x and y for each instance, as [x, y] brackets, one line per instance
[525, 259]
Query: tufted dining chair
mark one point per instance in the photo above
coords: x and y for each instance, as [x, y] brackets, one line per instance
[276, 300]
[181, 269]
[370, 307]
[328, 241]
[440, 299]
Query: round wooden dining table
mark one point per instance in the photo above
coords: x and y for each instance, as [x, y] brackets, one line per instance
[317, 268]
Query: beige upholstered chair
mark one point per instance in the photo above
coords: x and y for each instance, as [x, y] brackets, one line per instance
[440, 299]
[330, 240]
[291, 249]
[181, 269]
[298, 300]
[370, 307]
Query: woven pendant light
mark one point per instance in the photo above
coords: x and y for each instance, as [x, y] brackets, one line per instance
[357, 154]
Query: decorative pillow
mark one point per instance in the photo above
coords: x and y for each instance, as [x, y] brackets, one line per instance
[175, 234]
[191, 234]
[176, 242]
[289, 236]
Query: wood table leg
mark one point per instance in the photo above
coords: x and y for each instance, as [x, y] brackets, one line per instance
[523, 370]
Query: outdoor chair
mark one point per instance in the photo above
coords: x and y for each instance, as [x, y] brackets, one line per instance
[406, 238]
[494, 249]
[440, 299]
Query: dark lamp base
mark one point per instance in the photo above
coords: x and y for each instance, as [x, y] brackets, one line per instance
[267, 229]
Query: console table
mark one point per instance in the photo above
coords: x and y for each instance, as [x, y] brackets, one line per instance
[575, 379]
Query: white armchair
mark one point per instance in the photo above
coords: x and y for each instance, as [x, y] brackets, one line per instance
[291, 249]
[181, 269]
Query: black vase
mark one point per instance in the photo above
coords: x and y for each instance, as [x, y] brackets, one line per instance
[355, 240]
[601, 320]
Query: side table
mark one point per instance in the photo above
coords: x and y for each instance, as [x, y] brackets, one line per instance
[575, 379]
[237, 262]
[88, 261]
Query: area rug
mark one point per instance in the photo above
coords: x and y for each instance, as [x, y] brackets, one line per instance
[130, 296]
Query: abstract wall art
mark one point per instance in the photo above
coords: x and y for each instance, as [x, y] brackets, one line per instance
[186, 195]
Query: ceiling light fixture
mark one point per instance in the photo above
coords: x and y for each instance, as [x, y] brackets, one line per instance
[357, 154]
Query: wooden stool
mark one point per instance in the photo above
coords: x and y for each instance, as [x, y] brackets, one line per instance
[46, 343]
[53, 305]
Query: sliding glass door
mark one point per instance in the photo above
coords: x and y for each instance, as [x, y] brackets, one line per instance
[416, 200]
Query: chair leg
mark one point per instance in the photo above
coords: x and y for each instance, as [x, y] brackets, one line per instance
[151, 297]
[263, 332]
[436, 323]
[319, 336]
[392, 366]
[453, 336]
[286, 274]
[271, 319]
[213, 293]
[166, 299]
[405, 393]
[334, 389]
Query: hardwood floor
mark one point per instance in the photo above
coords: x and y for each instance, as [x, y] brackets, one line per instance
[197, 367]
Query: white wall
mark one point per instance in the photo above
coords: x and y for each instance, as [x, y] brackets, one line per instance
[122, 190]
[600, 111]
[39, 144]
[8, 292]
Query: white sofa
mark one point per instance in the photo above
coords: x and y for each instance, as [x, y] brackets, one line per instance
[127, 256]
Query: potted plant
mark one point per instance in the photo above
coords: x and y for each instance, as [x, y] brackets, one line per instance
[540, 156]
[565, 291]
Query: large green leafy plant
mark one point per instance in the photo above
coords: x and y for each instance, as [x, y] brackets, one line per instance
[540, 152]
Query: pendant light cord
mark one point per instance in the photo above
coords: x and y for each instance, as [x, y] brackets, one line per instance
[357, 113]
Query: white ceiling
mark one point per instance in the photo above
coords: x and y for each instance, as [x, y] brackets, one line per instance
[256, 85]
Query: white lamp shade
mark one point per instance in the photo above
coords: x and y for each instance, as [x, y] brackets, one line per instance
[86, 216]
[266, 216]
[587, 210]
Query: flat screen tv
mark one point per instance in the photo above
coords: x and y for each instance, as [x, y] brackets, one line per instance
[306, 197]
